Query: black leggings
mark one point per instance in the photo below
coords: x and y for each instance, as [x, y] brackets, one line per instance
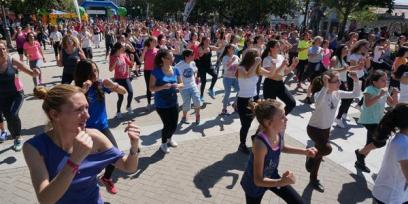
[202, 71]
[273, 89]
[345, 103]
[10, 107]
[169, 117]
[287, 193]
[109, 47]
[110, 168]
[147, 74]
[67, 78]
[321, 139]
[57, 47]
[245, 116]
[128, 86]
[300, 70]
[88, 52]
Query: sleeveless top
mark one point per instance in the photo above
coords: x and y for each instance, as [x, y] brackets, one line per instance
[9, 82]
[270, 170]
[247, 86]
[84, 187]
[204, 62]
[70, 61]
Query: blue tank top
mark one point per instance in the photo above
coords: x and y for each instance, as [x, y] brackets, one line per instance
[270, 170]
[7, 79]
[84, 187]
[98, 118]
[166, 98]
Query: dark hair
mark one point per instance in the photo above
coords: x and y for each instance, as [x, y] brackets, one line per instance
[30, 33]
[148, 41]
[158, 61]
[392, 121]
[375, 76]
[160, 37]
[116, 47]
[400, 71]
[401, 51]
[256, 38]
[357, 46]
[265, 109]
[202, 41]
[232, 38]
[187, 53]
[226, 48]
[269, 45]
[83, 72]
[249, 58]
[338, 52]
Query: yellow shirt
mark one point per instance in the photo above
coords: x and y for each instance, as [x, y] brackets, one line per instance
[303, 45]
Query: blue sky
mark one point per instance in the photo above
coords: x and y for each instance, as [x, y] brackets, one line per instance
[405, 2]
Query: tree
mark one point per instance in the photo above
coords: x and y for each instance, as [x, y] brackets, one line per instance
[31, 6]
[347, 7]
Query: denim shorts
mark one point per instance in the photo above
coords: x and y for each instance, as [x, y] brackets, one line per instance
[188, 95]
[35, 63]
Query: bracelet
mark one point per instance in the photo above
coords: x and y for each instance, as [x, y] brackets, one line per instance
[133, 153]
[75, 167]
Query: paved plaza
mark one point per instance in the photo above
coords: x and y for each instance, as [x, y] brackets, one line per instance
[206, 167]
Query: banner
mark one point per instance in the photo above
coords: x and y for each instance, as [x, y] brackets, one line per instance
[187, 10]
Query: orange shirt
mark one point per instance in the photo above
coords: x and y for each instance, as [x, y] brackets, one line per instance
[398, 62]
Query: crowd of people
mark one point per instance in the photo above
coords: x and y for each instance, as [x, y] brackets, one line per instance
[258, 63]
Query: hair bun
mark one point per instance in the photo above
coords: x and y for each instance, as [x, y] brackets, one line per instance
[40, 92]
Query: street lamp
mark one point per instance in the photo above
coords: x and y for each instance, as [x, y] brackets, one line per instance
[5, 27]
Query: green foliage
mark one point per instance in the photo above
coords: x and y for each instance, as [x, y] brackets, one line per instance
[32, 6]
[364, 17]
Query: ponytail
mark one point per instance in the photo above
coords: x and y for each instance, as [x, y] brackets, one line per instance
[391, 122]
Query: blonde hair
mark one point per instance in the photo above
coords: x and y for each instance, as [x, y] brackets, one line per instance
[69, 38]
[265, 109]
[54, 98]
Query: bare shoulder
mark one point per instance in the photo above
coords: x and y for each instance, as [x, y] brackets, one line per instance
[100, 141]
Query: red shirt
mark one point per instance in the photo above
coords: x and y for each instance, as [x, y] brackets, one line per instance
[121, 65]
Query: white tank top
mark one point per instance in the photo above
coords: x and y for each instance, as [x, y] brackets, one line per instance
[247, 86]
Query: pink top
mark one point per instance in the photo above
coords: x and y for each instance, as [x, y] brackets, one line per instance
[149, 59]
[33, 51]
[326, 57]
[121, 63]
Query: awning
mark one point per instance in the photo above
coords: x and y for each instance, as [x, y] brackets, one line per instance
[99, 4]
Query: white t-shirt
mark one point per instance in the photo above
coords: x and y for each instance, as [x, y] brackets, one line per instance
[377, 54]
[187, 72]
[229, 71]
[390, 185]
[326, 105]
[86, 41]
[56, 36]
[356, 57]
[317, 51]
[269, 62]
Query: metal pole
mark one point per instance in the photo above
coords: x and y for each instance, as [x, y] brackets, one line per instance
[6, 28]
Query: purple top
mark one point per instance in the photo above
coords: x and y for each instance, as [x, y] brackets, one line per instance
[84, 187]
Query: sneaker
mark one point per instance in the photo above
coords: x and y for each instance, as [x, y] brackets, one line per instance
[344, 116]
[130, 111]
[202, 100]
[360, 163]
[234, 105]
[164, 148]
[171, 143]
[243, 148]
[184, 120]
[108, 183]
[119, 115]
[340, 123]
[3, 136]
[317, 186]
[211, 93]
[18, 145]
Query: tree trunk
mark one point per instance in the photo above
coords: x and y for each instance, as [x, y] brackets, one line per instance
[344, 23]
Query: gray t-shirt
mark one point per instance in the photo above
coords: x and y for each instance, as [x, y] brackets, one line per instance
[317, 54]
